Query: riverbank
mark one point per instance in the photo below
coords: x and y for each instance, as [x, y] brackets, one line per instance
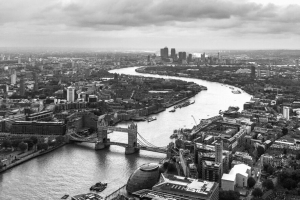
[142, 70]
[29, 157]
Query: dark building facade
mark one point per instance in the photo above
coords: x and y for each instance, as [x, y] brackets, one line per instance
[38, 128]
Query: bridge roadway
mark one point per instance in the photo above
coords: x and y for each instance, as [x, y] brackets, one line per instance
[146, 148]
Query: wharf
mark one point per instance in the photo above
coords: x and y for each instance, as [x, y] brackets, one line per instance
[29, 157]
[88, 196]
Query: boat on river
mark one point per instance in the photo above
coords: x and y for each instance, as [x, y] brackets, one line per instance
[236, 92]
[150, 119]
[65, 196]
[99, 187]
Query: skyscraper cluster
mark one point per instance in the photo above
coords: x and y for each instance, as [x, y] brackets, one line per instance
[180, 57]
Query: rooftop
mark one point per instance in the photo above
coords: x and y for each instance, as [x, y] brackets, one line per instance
[185, 186]
[237, 169]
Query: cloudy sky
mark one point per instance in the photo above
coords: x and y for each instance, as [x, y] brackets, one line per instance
[151, 24]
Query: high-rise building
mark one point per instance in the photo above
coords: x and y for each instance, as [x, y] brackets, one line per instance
[286, 112]
[297, 62]
[13, 77]
[162, 53]
[190, 58]
[180, 55]
[203, 57]
[211, 171]
[19, 60]
[252, 71]
[258, 71]
[70, 94]
[184, 55]
[36, 82]
[219, 153]
[22, 85]
[166, 52]
[173, 53]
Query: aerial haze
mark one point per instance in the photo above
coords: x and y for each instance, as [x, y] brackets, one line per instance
[145, 25]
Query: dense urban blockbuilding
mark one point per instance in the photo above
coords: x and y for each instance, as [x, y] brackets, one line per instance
[38, 128]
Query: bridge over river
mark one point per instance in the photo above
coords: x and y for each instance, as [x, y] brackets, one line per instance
[135, 141]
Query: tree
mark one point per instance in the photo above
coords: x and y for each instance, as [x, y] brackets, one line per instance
[289, 183]
[298, 156]
[42, 146]
[92, 130]
[251, 182]
[260, 151]
[257, 192]
[268, 184]
[23, 146]
[285, 131]
[6, 144]
[15, 143]
[52, 142]
[229, 195]
[59, 139]
[29, 143]
[34, 139]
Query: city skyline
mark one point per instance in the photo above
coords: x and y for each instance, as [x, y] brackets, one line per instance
[130, 25]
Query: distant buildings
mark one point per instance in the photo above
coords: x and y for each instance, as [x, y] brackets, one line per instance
[22, 86]
[71, 94]
[173, 53]
[13, 77]
[286, 112]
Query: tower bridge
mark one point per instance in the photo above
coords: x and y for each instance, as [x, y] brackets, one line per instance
[101, 140]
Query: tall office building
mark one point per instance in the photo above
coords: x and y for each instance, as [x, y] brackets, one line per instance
[19, 60]
[70, 94]
[286, 112]
[166, 52]
[22, 85]
[258, 71]
[162, 53]
[297, 62]
[184, 55]
[36, 82]
[173, 53]
[180, 55]
[252, 71]
[190, 58]
[203, 57]
[13, 77]
[219, 153]
[211, 171]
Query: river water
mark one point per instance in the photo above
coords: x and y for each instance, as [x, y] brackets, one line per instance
[73, 168]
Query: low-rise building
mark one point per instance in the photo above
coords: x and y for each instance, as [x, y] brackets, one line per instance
[178, 187]
[237, 177]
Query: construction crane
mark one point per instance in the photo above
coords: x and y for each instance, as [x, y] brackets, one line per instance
[194, 120]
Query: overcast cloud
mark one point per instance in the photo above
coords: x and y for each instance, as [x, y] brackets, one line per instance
[150, 24]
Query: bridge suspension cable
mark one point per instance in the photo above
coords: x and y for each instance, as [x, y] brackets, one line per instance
[145, 141]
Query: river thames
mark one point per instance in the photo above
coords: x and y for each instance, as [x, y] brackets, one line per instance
[73, 168]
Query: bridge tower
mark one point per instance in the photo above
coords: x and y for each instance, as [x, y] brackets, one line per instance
[101, 134]
[132, 139]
